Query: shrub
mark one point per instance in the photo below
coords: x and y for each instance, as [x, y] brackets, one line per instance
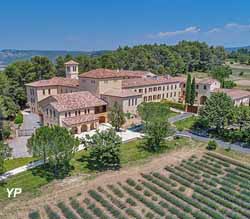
[34, 215]
[212, 145]
[19, 119]
[133, 213]
[66, 211]
[179, 106]
[182, 189]
[147, 193]
[116, 191]
[131, 182]
[50, 213]
[131, 202]
[81, 211]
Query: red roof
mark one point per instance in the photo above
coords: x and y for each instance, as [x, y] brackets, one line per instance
[69, 121]
[120, 93]
[74, 101]
[102, 73]
[234, 93]
[55, 81]
[129, 83]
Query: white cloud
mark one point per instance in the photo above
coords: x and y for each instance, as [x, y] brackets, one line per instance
[192, 29]
[230, 27]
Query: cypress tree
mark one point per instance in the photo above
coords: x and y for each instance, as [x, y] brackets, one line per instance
[192, 93]
[188, 89]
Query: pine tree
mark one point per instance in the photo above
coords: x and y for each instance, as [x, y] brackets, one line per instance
[192, 93]
[188, 90]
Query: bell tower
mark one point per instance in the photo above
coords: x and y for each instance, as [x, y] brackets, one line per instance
[71, 69]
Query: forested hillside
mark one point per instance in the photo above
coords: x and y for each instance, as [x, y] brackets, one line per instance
[160, 59]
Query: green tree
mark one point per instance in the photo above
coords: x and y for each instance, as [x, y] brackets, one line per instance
[217, 111]
[156, 126]
[221, 73]
[116, 116]
[188, 90]
[212, 145]
[192, 93]
[5, 152]
[56, 145]
[104, 150]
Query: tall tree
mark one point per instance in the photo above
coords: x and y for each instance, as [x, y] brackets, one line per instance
[217, 111]
[56, 145]
[188, 90]
[104, 150]
[116, 116]
[5, 152]
[156, 126]
[192, 93]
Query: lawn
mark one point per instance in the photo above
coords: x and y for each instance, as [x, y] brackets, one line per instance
[17, 162]
[131, 154]
[185, 124]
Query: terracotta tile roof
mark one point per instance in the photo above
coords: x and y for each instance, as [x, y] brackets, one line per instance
[234, 93]
[55, 81]
[71, 62]
[129, 83]
[102, 73]
[69, 121]
[121, 93]
[183, 79]
[74, 101]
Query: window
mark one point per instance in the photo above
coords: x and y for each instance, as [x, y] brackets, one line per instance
[74, 68]
[85, 111]
[145, 99]
[43, 91]
[163, 88]
[150, 98]
[154, 97]
[69, 114]
[168, 87]
[49, 91]
[68, 68]
[136, 101]
[54, 113]
[129, 102]
[197, 86]
[196, 94]
[175, 94]
[92, 81]
[171, 87]
[175, 86]
[159, 96]
[163, 96]
[50, 113]
[79, 112]
[88, 111]
[132, 102]
[184, 85]
[66, 115]
[135, 90]
[47, 111]
[155, 88]
[150, 89]
[159, 88]
[140, 90]
[171, 94]
[167, 95]
[205, 87]
[75, 113]
[145, 90]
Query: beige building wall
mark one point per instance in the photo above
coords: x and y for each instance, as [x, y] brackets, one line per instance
[242, 101]
[155, 93]
[128, 104]
[36, 94]
[99, 86]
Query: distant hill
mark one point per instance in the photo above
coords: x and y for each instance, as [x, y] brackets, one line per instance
[231, 49]
[8, 56]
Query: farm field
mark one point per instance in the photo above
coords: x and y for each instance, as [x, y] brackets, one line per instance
[204, 185]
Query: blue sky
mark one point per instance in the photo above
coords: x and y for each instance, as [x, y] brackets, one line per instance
[106, 24]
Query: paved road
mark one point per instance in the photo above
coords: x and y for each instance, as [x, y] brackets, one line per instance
[18, 144]
[179, 117]
[223, 144]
